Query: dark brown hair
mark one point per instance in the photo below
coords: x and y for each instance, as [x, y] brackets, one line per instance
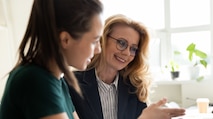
[48, 18]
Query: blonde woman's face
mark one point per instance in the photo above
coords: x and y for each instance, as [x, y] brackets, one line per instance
[115, 57]
[80, 51]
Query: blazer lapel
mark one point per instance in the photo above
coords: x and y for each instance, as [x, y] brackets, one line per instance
[91, 93]
[122, 97]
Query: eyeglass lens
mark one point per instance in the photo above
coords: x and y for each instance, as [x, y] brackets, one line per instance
[122, 44]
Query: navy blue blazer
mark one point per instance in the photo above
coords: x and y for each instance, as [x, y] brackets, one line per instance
[89, 107]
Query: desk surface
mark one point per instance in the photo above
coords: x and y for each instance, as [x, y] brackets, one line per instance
[192, 113]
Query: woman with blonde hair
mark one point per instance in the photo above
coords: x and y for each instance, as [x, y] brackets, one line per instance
[116, 82]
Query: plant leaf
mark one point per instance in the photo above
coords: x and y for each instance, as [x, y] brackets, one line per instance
[190, 56]
[200, 78]
[177, 52]
[191, 47]
[204, 63]
[200, 54]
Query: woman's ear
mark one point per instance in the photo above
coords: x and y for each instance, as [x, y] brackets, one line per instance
[65, 39]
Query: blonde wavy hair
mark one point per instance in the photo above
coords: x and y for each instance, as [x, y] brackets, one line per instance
[136, 71]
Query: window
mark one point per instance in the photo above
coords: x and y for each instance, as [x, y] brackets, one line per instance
[173, 24]
[189, 13]
[141, 10]
[180, 41]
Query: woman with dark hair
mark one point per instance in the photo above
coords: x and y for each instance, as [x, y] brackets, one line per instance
[116, 82]
[60, 33]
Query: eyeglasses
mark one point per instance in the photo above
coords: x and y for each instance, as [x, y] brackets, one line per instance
[122, 44]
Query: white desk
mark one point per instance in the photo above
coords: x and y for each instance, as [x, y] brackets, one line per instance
[184, 93]
[192, 113]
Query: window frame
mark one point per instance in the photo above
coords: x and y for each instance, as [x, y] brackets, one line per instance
[165, 35]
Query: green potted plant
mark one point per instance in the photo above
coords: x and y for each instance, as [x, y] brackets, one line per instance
[197, 57]
[198, 54]
[173, 67]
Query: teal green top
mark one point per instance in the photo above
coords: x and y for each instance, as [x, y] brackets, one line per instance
[32, 92]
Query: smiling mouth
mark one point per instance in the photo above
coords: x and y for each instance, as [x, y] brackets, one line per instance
[120, 59]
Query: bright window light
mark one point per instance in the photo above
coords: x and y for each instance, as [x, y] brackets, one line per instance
[189, 13]
[149, 12]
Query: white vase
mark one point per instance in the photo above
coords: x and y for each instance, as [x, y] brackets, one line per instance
[194, 72]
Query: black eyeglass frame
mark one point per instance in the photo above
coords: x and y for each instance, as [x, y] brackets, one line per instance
[120, 46]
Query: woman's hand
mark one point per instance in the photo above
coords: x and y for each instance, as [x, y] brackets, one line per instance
[157, 111]
[75, 115]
